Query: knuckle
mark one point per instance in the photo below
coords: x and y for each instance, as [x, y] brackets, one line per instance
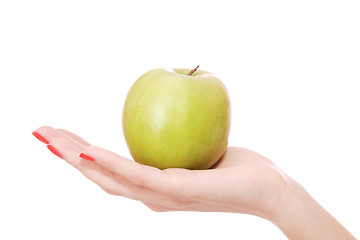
[138, 179]
[59, 142]
[155, 208]
[175, 204]
[45, 129]
[110, 191]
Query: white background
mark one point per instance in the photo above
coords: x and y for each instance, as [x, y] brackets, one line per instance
[292, 69]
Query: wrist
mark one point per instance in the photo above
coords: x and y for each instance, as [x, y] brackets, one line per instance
[299, 216]
[293, 199]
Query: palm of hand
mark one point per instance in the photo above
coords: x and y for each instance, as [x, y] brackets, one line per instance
[241, 181]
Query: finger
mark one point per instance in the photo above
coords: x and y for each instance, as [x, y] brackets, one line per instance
[133, 171]
[49, 134]
[67, 149]
[107, 180]
[74, 136]
[176, 184]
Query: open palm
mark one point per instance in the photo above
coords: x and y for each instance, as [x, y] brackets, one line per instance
[241, 181]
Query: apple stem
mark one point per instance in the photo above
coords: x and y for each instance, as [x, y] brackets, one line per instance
[194, 70]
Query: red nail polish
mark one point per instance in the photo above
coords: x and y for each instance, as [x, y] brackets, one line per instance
[54, 151]
[39, 137]
[86, 157]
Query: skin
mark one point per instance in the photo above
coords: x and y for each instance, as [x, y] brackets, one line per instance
[171, 120]
[242, 181]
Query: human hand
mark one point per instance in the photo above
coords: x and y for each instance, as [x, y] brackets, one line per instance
[241, 181]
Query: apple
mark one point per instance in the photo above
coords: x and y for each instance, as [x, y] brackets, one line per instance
[177, 118]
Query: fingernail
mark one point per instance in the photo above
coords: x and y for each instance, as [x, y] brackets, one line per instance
[39, 137]
[86, 157]
[54, 151]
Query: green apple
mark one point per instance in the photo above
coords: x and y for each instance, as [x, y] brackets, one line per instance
[177, 118]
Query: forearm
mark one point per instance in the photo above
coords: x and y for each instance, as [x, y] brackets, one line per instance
[299, 216]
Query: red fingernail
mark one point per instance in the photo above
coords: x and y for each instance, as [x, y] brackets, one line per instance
[86, 157]
[54, 151]
[39, 137]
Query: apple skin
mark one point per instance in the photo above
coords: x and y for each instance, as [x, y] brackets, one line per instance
[171, 120]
